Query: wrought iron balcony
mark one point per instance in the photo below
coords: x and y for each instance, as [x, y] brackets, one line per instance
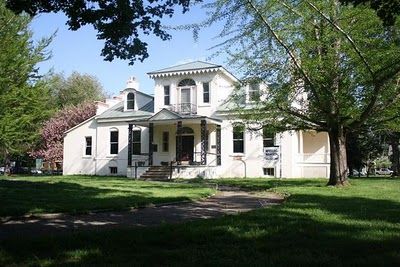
[184, 108]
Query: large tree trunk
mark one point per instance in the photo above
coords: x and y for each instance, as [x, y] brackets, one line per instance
[338, 174]
[394, 143]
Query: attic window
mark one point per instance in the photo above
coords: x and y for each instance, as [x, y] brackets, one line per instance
[254, 91]
[186, 82]
[130, 101]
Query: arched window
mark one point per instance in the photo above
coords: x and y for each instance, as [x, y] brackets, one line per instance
[130, 101]
[186, 82]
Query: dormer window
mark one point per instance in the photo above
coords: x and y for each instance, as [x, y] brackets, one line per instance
[254, 91]
[130, 101]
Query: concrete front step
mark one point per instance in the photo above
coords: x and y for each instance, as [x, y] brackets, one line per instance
[156, 173]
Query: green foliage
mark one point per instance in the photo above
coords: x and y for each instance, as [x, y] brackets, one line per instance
[24, 98]
[75, 89]
[121, 24]
[382, 162]
[387, 10]
[331, 67]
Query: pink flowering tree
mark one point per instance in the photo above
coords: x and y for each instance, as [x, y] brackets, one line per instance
[52, 134]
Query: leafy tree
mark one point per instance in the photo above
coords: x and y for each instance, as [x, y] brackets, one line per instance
[24, 98]
[76, 89]
[52, 134]
[364, 147]
[122, 24]
[387, 10]
[333, 67]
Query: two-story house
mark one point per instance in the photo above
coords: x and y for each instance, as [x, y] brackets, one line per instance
[187, 128]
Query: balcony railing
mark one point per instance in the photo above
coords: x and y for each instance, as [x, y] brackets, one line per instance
[184, 108]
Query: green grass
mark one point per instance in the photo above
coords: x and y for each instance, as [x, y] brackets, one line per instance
[34, 195]
[357, 225]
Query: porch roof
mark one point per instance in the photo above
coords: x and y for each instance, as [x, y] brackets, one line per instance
[166, 116]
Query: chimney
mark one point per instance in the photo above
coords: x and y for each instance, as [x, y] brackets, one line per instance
[132, 83]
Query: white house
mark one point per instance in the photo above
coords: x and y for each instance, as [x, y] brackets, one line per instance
[185, 130]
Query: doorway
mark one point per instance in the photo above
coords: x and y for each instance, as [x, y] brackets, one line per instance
[187, 147]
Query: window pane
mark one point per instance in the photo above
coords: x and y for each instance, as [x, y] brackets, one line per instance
[114, 148]
[136, 136]
[88, 141]
[185, 96]
[254, 91]
[166, 95]
[88, 147]
[136, 149]
[206, 92]
[166, 100]
[165, 136]
[238, 146]
[165, 147]
[268, 142]
[130, 101]
[114, 136]
[166, 90]
[237, 135]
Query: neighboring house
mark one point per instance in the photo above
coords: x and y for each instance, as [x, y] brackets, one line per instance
[187, 124]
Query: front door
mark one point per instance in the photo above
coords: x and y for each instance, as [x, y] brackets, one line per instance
[187, 148]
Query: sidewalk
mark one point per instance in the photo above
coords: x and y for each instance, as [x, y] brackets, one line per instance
[224, 202]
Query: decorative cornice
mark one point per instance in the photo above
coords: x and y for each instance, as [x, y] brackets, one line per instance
[183, 72]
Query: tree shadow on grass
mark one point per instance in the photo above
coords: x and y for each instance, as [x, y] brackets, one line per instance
[23, 197]
[291, 234]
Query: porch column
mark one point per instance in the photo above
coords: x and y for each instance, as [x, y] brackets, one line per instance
[218, 133]
[130, 145]
[178, 142]
[203, 132]
[151, 130]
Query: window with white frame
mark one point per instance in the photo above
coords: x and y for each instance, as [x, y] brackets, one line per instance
[165, 141]
[114, 141]
[268, 137]
[88, 145]
[167, 95]
[136, 142]
[254, 91]
[238, 139]
[130, 101]
[206, 92]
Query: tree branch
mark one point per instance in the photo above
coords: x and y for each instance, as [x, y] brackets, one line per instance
[348, 37]
[287, 49]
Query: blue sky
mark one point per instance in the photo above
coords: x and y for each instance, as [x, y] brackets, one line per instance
[80, 50]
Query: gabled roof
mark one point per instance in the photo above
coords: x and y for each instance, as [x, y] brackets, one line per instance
[196, 67]
[117, 111]
[165, 114]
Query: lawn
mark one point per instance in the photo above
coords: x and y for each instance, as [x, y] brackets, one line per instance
[72, 194]
[317, 225]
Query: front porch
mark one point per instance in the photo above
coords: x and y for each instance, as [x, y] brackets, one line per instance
[175, 140]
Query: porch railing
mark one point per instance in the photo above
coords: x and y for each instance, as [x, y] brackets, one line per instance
[184, 108]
